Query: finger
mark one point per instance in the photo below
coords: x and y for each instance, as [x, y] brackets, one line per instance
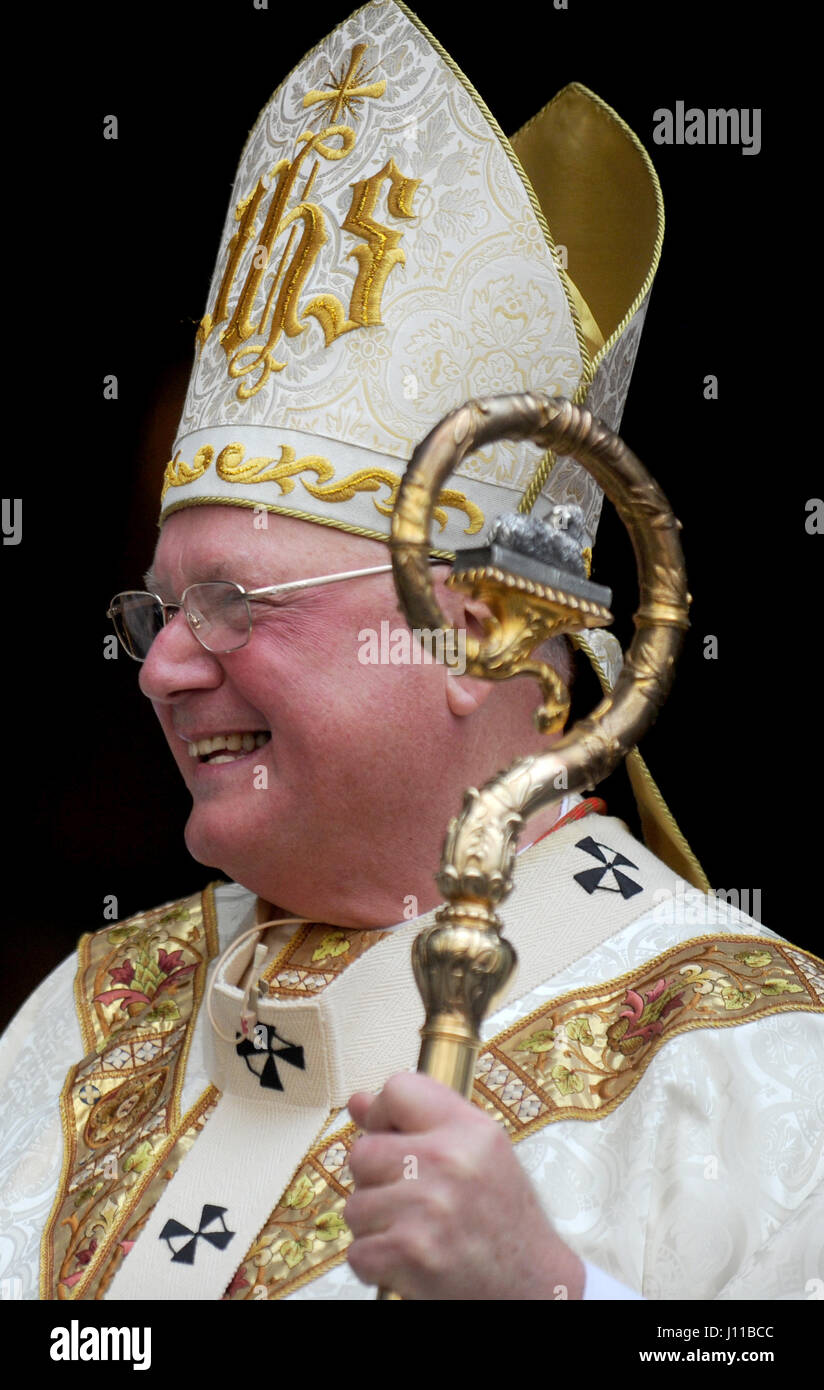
[372, 1210]
[377, 1159]
[380, 1259]
[359, 1107]
[373, 1259]
[413, 1103]
[401, 1258]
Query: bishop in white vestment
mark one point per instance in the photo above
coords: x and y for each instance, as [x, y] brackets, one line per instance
[174, 1099]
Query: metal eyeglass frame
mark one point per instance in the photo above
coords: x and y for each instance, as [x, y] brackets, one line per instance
[272, 591]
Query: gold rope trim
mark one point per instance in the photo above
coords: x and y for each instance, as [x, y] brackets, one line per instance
[68, 1134]
[336, 525]
[659, 208]
[627, 131]
[310, 1274]
[540, 216]
[209, 911]
[538, 480]
[86, 1031]
[697, 877]
[547, 463]
[691, 868]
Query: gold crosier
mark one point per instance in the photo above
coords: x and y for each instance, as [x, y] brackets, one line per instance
[462, 962]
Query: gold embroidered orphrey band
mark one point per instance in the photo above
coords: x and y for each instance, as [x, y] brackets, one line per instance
[120, 1107]
[139, 988]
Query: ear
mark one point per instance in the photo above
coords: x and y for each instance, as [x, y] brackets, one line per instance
[466, 694]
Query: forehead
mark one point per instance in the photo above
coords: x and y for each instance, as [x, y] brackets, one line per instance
[253, 548]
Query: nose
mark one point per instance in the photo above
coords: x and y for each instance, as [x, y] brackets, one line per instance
[177, 663]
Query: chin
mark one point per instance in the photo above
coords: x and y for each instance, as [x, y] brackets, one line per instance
[217, 842]
[203, 848]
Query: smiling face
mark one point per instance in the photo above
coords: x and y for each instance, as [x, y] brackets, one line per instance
[338, 808]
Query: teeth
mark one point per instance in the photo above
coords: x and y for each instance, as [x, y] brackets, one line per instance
[222, 758]
[232, 743]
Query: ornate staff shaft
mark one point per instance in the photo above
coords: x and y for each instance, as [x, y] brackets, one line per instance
[462, 962]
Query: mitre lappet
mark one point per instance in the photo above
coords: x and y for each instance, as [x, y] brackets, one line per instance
[388, 254]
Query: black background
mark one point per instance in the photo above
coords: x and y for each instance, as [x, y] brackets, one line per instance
[111, 252]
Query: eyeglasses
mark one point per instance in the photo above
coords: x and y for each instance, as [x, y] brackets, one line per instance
[219, 612]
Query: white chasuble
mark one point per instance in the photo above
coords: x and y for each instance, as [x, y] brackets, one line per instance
[658, 1061]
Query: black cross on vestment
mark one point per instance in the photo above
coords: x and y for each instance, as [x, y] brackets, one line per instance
[592, 880]
[261, 1045]
[185, 1254]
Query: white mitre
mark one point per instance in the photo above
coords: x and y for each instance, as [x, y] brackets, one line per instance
[386, 257]
[389, 254]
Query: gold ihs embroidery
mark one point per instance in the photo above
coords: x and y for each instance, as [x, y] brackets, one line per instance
[376, 255]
